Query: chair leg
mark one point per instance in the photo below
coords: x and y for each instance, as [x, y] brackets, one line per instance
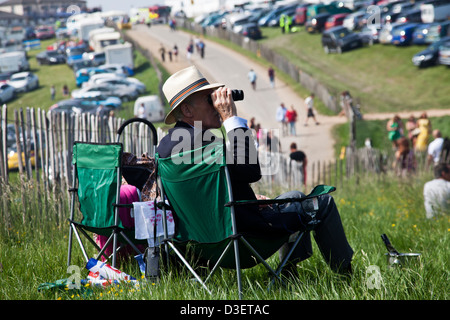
[238, 266]
[189, 267]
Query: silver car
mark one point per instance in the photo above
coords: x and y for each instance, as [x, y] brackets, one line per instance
[444, 54]
[6, 92]
[124, 93]
[24, 81]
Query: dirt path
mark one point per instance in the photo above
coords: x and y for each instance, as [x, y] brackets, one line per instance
[226, 66]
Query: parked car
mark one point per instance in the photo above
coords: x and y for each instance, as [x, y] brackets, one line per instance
[24, 81]
[264, 21]
[429, 56]
[13, 157]
[386, 32]
[44, 32]
[124, 93]
[50, 57]
[438, 30]
[317, 23]
[444, 53]
[4, 76]
[351, 21]
[403, 35]
[96, 58]
[75, 53]
[117, 68]
[420, 34]
[80, 105]
[128, 82]
[335, 20]
[410, 16]
[370, 34]
[300, 14]
[340, 39]
[7, 92]
[251, 30]
[84, 74]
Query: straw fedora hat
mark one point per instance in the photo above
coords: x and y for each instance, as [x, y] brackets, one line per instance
[181, 85]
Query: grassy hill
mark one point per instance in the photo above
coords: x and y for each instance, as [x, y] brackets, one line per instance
[381, 77]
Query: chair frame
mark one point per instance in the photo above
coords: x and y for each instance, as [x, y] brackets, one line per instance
[116, 230]
[234, 239]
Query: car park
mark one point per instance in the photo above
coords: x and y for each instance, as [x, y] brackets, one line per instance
[317, 23]
[429, 56]
[444, 53]
[24, 81]
[50, 57]
[7, 92]
[340, 39]
[403, 35]
[124, 93]
[251, 30]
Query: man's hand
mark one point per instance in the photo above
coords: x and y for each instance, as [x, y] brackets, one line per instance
[223, 103]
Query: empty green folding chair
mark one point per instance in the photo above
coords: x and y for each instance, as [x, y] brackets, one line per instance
[197, 185]
[96, 188]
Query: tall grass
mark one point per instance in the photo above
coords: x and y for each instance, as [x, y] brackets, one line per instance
[34, 251]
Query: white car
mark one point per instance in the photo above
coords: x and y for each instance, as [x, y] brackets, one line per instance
[117, 68]
[124, 93]
[127, 82]
[24, 81]
[6, 92]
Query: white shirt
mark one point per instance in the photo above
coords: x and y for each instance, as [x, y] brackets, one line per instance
[281, 114]
[309, 101]
[435, 148]
[436, 194]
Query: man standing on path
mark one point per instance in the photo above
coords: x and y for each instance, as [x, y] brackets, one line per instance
[435, 147]
[309, 102]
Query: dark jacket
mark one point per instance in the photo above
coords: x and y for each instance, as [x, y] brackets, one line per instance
[248, 218]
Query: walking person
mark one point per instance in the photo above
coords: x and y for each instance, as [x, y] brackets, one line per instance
[309, 102]
[162, 51]
[175, 52]
[271, 73]
[281, 118]
[252, 78]
[291, 117]
[190, 50]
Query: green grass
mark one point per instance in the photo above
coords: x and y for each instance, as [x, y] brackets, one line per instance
[35, 252]
[381, 77]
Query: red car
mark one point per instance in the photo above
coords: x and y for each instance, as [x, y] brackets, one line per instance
[335, 20]
[44, 32]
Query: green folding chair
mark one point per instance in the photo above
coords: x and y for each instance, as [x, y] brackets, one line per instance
[96, 188]
[197, 186]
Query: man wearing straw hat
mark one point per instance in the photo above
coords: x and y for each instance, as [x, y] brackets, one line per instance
[198, 106]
